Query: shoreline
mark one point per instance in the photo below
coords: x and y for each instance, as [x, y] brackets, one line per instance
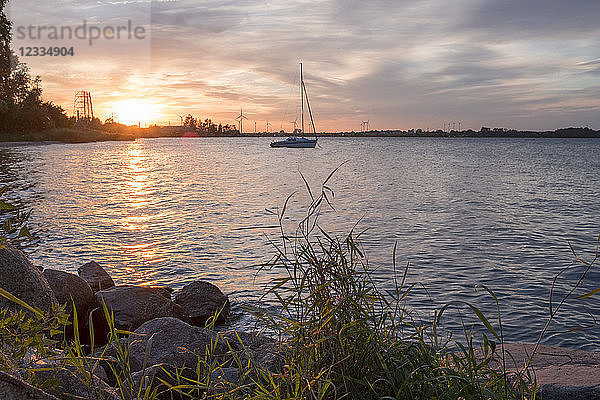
[73, 136]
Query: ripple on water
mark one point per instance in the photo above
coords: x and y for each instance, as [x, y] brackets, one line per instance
[464, 212]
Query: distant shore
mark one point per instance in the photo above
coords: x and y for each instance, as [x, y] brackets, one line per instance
[87, 136]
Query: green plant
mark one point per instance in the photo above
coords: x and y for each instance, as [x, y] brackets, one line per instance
[347, 339]
[28, 335]
[13, 223]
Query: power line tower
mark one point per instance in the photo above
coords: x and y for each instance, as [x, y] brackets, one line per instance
[82, 106]
[364, 126]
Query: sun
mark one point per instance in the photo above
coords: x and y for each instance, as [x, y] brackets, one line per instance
[134, 111]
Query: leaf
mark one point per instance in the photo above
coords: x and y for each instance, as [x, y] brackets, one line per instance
[6, 207]
[20, 302]
[590, 294]
[24, 232]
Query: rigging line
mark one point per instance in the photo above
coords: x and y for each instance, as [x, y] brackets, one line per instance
[312, 121]
[291, 94]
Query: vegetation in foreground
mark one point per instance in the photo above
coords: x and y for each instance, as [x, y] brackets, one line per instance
[340, 337]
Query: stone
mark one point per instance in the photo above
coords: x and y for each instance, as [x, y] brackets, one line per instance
[262, 351]
[201, 300]
[225, 375]
[22, 279]
[152, 376]
[134, 305]
[561, 373]
[12, 388]
[173, 342]
[95, 276]
[164, 291]
[70, 384]
[68, 287]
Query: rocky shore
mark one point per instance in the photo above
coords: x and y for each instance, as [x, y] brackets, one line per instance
[165, 330]
[165, 333]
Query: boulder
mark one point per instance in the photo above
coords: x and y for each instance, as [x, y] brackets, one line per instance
[134, 305]
[225, 376]
[262, 351]
[69, 382]
[174, 342]
[70, 287]
[561, 373]
[12, 388]
[155, 375]
[95, 276]
[201, 300]
[22, 279]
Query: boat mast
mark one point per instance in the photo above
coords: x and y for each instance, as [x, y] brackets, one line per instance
[302, 96]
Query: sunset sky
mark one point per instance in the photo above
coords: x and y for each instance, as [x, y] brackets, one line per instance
[531, 64]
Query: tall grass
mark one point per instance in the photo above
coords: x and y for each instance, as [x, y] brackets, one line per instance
[344, 338]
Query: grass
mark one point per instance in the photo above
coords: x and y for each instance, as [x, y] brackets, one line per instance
[340, 336]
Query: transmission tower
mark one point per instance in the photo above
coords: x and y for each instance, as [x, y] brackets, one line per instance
[82, 106]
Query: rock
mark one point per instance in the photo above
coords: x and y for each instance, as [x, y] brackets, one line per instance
[174, 342]
[108, 356]
[70, 384]
[22, 279]
[68, 286]
[134, 305]
[95, 276]
[561, 373]
[263, 352]
[153, 375]
[225, 376]
[201, 300]
[164, 291]
[12, 388]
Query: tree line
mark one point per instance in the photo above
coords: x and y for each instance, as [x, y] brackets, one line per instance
[207, 126]
[22, 108]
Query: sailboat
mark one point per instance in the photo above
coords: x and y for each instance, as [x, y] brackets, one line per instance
[300, 142]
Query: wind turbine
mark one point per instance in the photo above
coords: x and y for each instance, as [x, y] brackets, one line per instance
[181, 119]
[241, 119]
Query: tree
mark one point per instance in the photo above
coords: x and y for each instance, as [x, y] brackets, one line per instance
[21, 105]
[190, 122]
[5, 53]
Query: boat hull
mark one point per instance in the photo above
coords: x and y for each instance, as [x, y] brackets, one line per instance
[297, 145]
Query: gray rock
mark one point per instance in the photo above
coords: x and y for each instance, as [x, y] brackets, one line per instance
[164, 291]
[68, 287]
[12, 388]
[95, 276]
[174, 342]
[561, 373]
[70, 382]
[201, 300]
[22, 279]
[109, 359]
[225, 376]
[262, 351]
[134, 305]
[152, 376]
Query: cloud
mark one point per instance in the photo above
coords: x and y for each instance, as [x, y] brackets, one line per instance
[399, 64]
[547, 19]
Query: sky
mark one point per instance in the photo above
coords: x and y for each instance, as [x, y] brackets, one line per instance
[399, 64]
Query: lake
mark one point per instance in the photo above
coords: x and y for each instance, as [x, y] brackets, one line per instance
[463, 212]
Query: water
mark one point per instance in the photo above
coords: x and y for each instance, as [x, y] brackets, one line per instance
[499, 212]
